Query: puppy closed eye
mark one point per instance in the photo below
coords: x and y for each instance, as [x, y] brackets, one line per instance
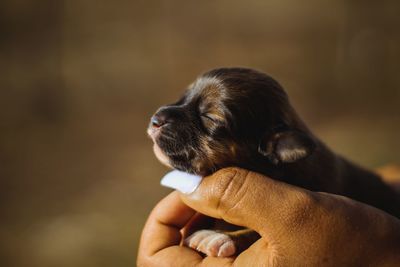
[208, 117]
[211, 116]
[208, 120]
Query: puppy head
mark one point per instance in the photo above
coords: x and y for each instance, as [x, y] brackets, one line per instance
[229, 117]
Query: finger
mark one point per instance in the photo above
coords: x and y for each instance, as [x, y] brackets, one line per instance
[183, 257]
[248, 199]
[257, 254]
[159, 245]
[163, 226]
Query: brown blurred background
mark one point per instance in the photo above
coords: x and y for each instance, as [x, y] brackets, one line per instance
[80, 79]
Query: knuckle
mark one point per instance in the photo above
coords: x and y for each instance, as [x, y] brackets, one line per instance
[302, 206]
[233, 190]
[305, 200]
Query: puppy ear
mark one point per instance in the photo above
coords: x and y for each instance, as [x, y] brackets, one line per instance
[286, 146]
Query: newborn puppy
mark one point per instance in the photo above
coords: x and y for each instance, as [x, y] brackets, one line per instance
[242, 117]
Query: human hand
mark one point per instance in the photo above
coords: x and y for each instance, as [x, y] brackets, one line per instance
[297, 227]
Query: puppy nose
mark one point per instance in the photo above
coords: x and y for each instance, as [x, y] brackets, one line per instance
[158, 120]
[166, 115]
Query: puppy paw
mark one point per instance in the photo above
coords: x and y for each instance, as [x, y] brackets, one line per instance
[212, 243]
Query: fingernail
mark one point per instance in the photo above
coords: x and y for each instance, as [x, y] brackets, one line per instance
[181, 181]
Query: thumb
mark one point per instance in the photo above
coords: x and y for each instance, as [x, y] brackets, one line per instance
[249, 199]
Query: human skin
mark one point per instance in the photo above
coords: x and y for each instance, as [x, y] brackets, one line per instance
[297, 227]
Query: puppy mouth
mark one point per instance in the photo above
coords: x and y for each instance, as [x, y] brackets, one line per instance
[153, 132]
[168, 152]
[158, 135]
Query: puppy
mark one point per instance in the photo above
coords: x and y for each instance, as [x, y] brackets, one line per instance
[242, 117]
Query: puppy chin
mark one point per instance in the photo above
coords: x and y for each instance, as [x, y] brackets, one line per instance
[161, 156]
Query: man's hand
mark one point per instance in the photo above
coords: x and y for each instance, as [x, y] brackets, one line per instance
[297, 227]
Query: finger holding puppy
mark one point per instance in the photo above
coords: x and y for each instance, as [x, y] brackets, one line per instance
[298, 227]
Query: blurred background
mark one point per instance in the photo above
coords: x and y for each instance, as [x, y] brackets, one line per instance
[79, 81]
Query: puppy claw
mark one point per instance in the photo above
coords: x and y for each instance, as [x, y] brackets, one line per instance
[227, 249]
[212, 243]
